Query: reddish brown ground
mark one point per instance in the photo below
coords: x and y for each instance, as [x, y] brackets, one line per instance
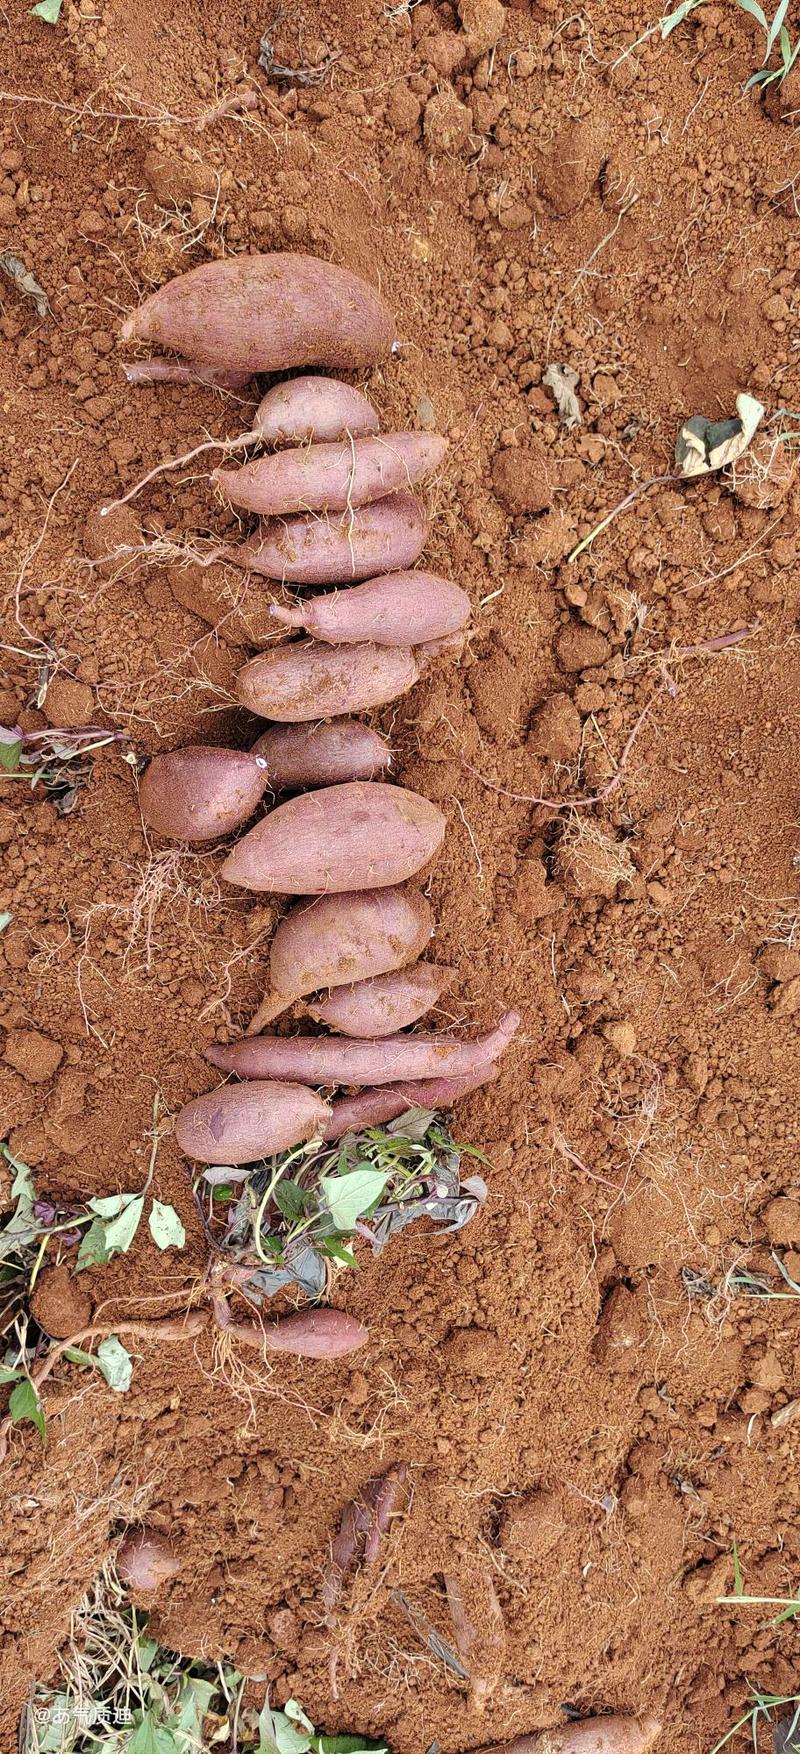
[578, 1429]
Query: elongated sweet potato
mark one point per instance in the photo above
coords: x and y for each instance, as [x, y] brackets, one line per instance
[321, 755]
[316, 1333]
[373, 1108]
[333, 477]
[313, 550]
[384, 1005]
[340, 939]
[593, 1735]
[266, 314]
[338, 1059]
[360, 835]
[401, 609]
[241, 1122]
[201, 793]
[304, 681]
[314, 410]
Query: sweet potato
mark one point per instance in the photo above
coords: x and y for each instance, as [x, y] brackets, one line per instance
[321, 755]
[314, 410]
[332, 477]
[309, 550]
[593, 1735]
[145, 1561]
[340, 939]
[160, 370]
[337, 1059]
[266, 314]
[384, 1005]
[360, 835]
[316, 1333]
[241, 1122]
[401, 609]
[373, 1108]
[305, 681]
[201, 793]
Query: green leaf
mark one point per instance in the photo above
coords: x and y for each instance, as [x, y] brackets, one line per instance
[5, 920]
[93, 1251]
[150, 1737]
[115, 1363]
[122, 1230]
[677, 17]
[7, 1375]
[338, 1251]
[347, 1196]
[278, 1735]
[49, 10]
[146, 1651]
[57, 1724]
[109, 1205]
[24, 1403]
[10, 751]
[775, 27]
[166, 1228]
[348, 1745]
[290, 1200]
[752, 7]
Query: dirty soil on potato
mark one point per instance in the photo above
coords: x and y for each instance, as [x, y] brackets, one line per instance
[592, 1408]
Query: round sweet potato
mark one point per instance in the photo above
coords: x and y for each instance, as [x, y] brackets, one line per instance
[144, 1562]
[309, 550]
[305, 681]
[201, 793]
[314, 410]
[384, 1005]
[240, 1123]
[332, 477]
[401, 609]
[360, 835]
[321, 755]
[266, 314]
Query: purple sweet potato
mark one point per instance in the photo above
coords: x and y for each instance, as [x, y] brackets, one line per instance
[362, 835]
[266, 314]
[321, 755]
[594, 1735]
[333, 477]
[241, 1122]
[384, 1005]
[400, 609]
[373, 1108]
[305, 681]
[201, 793]
[339, 939]
[338, 1059]
[314, 410]
[314, 550]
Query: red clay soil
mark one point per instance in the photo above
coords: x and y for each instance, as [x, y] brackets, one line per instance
[591, 1412]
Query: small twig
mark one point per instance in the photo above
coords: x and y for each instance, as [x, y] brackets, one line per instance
[642, 487]
[426, 1631]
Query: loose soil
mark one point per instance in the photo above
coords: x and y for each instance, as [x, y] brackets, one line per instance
[591, 1413]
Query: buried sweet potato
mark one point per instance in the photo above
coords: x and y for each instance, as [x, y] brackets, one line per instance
[321, 755]
[338, 1059]
[400, 609]
[332, 477]
[339, 939]
[385, 1004]
[373, 1108]
[313, 550]
[593, 1735]
[307, 680]
[266, 313]
[144, 1562]
[314, 410]
[201, 793]
[361, 835]
[241, 1122]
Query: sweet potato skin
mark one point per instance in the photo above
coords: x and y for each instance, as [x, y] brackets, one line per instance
[316, 1333]
[400, 609]
[327, 754]
[306, 680]
[331, 477]
[373, 1108]
[314, 410]
[339, 939]
[200, 793]
[266, 313]
[593, 1735]
[384, 1005]
[308, 550]
[323, 1059]
[360, 835]
[241, 1122]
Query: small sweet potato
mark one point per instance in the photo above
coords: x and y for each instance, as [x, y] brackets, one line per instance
[332, 477]
[360, 835]
[338, 1059]
[339, 939]
[321, 755]
[266, 314]
[201, 793]
[385, 1004]
[314, 410]
[145, 1561]
[240, 1123]
[305, 681]
[316, 1333]
[593, 1735]
[401, 609]
[372, 1108]
[312, 550]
